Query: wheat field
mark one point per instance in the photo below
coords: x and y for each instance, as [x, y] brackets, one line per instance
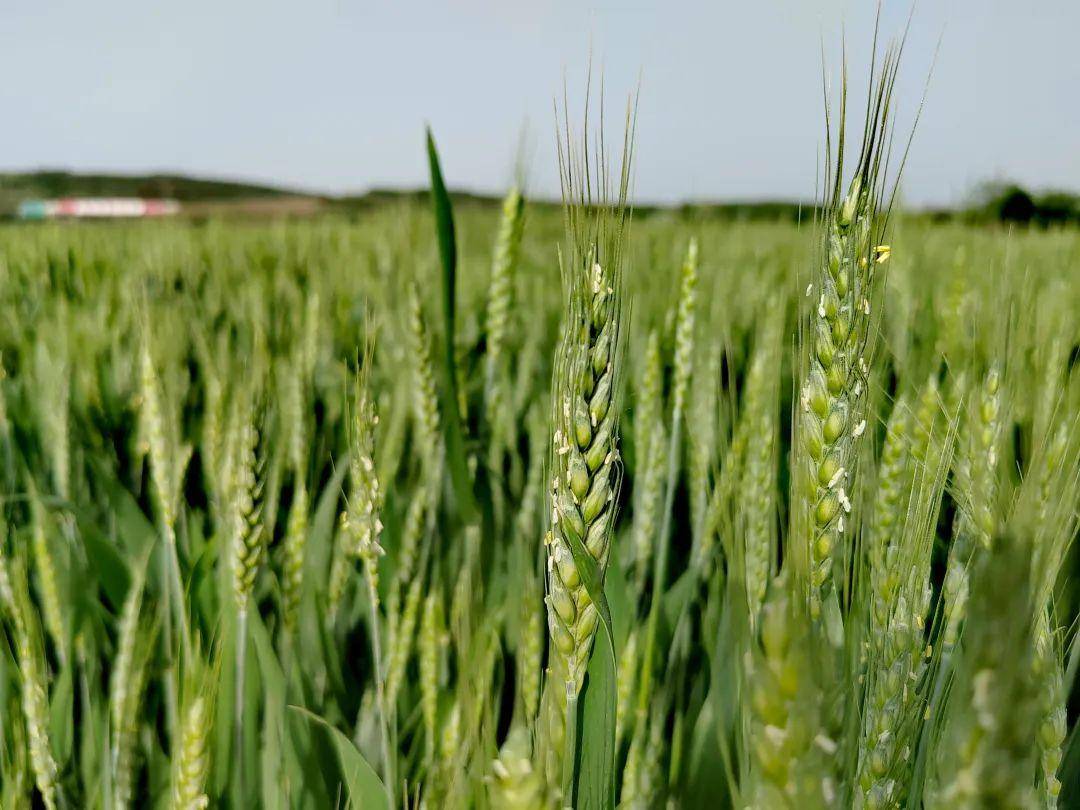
[564, 507]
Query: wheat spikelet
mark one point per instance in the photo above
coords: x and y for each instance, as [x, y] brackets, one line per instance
[830, 417]
[650, 783]
[649, 502]
[248, 546]
[45, 569]
[341, 567]
[649, 402]
[212, 439]
[33, 684]
[430, 644]
[926, 412]
[624, 685]
[584, 458]
[631, 775]
[702, 457]
[123, 677]
[450, 735]
[1052, 720]
[296, 531]
[684, 328]
[15, 793]
[168, 455]
[976, 473]
[986, 758]
[247, 489]
[402, 641]
[191, 767]
[886, 515]
[192, 756]
[530, 651]
[424, 397]
[53, 375]
[756, 465]
[584, 466]
[513, 783]
[776, 733]
[1051, 491]
[649, 446]
[897, 651]
[8, 600]
[361, 522]
[296, 524]
[500, 294]
[125, 734]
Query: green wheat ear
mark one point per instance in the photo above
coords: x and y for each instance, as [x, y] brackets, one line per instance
[838, 342]
[33, 676]
[986, 757]
[192, 758]
[585, 467]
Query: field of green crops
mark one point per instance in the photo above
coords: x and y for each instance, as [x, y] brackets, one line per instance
[572, 508]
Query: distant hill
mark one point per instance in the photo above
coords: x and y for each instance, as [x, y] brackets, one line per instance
[49, 183]
[199, 196]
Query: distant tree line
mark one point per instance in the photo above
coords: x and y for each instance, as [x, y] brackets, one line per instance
[1016, 205]
[991, 202]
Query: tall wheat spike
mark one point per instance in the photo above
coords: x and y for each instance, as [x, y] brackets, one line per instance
[831, 416]
[584, 464]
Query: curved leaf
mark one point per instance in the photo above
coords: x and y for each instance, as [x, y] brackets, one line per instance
[363, 785]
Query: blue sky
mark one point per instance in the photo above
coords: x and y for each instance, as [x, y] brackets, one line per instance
[333, 95]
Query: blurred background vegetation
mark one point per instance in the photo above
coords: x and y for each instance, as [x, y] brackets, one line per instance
[991, 202]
